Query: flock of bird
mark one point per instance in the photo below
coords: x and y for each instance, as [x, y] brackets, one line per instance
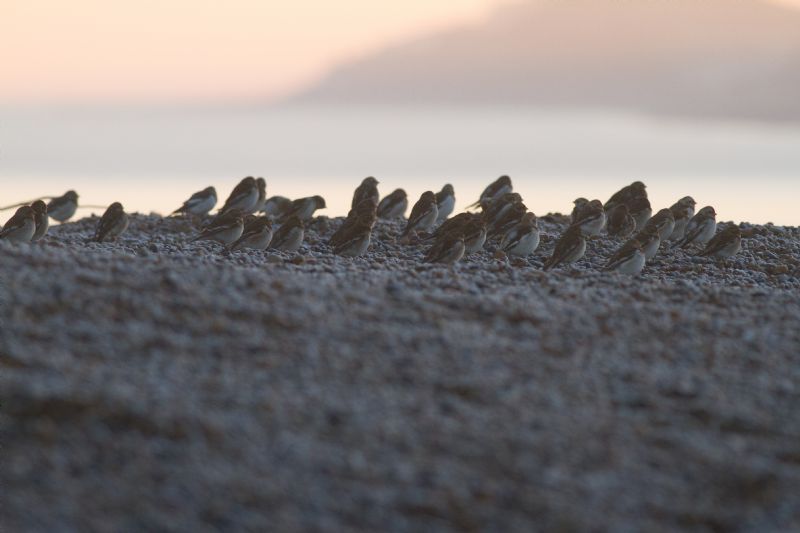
[249, 219]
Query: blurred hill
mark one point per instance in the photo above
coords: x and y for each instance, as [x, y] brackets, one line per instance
[703, 58]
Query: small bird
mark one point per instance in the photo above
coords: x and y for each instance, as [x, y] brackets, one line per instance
[356, 241]
[367, 189]
[445, 202]
[21, 226]
[366, 210]
[244, 197]
[620, 223]
[682, 211]
[448, 249]
[474, 231]
[289, 236]
[629, 259]
[523, 239]
[225, 228]
[592, 218]
[663, 222]
[423, 214]
[724, 244]
[494, 190]
[508, 220]
[640, 210]
[394, 205]
[62, 208]
[650, 241]
[276, 206]
[570, 247]
[700, 228]
[257, 234]
[626, 195]
[579, 204]
[261, 184]
[41, 219]
[458, 221]
[200, 203]
[498, 208]
[112, 224]
[304, 208]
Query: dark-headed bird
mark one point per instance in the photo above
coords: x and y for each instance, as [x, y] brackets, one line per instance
[724, 244]
[569, 248]
[21, 226]
[367, 189]
[289, 236]
[244, 197]
[41, 219]
[257, 234]
[629, 259]
[700, 228]
[423, 214]
[393, 205]
[225, 228]
[112, 224]
[62, 208]
[494, 190]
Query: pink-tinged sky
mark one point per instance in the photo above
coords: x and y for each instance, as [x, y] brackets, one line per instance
[197, 50]
[90, 51]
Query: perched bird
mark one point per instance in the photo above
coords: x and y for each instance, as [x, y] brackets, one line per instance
[41, 219]
[448, 249]
[112, 224]
[367, 189]
[498, 208]
[21, 226]
[289, 236]
[261, 184]
[700, 228]
[494, 190]
[276, 206]
[304, 208]
[474, 231]
[445, 202]
[570, 247]
[366, 210]
[522, 239]
[663, 222]
[724, 244]
[650, 241]
[63, 207]
[457, 221]
[629, 259]
[200, 203]
[508, 220]
[591, 219]
[225, 228]
[257, 234]
[640, 210]
[423, 214]
[244, 197]
[579, 204]
[356, 241]
[682, 211]
[620, 223]
[394, 205]
[626, 195]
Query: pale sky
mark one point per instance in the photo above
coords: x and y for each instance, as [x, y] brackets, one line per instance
[202, 50]
[96, 51]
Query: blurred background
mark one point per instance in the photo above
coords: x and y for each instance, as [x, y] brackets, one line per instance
[147, 102]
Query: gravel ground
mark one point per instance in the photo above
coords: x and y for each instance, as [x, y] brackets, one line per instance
[151, 384]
